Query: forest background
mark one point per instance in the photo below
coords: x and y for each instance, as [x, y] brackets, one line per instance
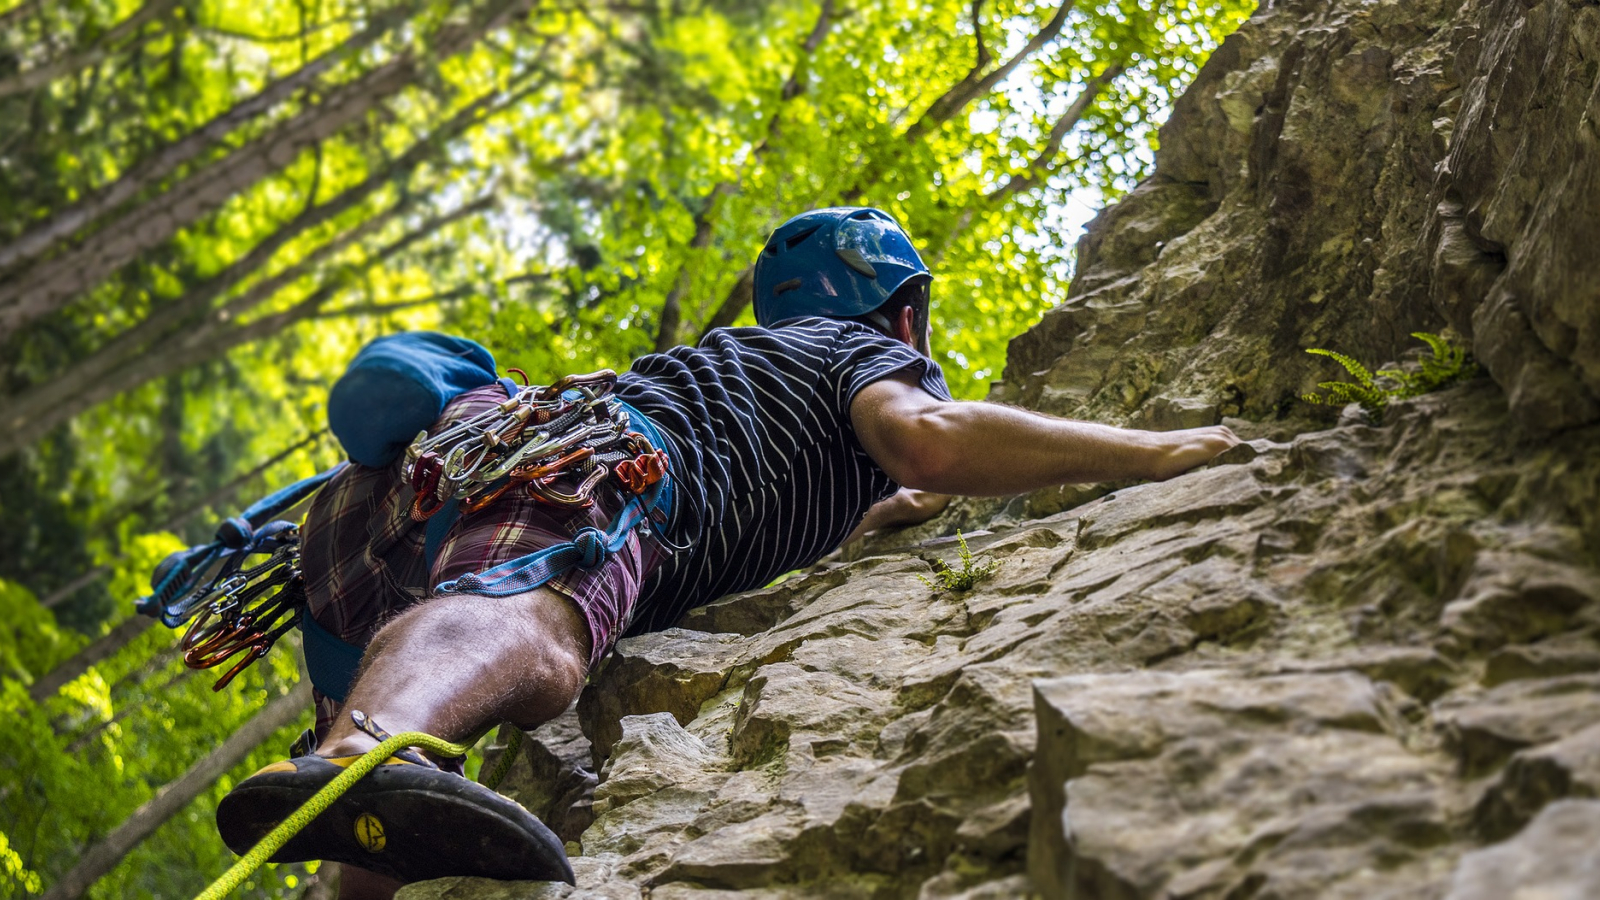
[206, 206]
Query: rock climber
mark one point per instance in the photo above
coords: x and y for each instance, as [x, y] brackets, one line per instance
[828, 419]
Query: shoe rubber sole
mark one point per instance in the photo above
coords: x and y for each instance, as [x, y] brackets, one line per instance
[408, 822]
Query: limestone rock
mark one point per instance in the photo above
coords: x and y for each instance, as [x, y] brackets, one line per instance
[1554, 858]
[551, 775]
[1343, 661]
[1204, 783]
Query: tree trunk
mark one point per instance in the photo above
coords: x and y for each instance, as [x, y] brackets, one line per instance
[212, 499]
[219, 334]
[793, 86]
[672, 306]
[733, 304]
[36, 411]
[43, 74]
[172, 798]
[51, 285]
[36, 241]
[114, 640]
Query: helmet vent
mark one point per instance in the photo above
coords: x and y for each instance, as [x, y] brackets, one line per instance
[782, 286]
[853, 258]
[795, 241]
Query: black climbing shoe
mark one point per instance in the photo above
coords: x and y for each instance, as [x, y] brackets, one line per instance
[407, 821]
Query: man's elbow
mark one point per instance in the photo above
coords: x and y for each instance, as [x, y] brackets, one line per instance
[925, 457]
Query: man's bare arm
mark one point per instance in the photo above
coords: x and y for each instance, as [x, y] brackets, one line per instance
[984, 449]
[904, 507]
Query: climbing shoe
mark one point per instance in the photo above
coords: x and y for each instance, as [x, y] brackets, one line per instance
[406, 820]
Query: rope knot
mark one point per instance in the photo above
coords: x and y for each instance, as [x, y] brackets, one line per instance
[591, 544]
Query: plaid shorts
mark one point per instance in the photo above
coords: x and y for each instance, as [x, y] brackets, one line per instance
[365, 563]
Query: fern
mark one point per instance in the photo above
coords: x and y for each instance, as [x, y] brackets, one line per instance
[1445, 364]
[1350, 365]
[964, 578]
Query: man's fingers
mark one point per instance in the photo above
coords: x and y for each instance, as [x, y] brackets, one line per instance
[1195, 447]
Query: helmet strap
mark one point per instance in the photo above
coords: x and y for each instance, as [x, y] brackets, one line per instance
[881, 321]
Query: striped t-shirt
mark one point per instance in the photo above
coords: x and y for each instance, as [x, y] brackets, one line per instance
[769, 475]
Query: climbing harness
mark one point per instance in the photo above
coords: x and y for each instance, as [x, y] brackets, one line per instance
[479, 459]
[559, 444]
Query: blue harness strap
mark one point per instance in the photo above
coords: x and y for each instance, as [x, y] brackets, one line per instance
[588, 549]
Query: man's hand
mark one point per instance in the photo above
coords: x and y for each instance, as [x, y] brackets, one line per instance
[906, 507]
[1192, 448]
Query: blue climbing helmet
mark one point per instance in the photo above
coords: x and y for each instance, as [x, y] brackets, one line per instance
[840, 262]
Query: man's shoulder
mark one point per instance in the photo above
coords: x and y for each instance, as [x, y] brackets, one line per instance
[804, 330]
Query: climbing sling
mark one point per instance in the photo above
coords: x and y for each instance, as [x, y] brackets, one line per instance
[242, 591]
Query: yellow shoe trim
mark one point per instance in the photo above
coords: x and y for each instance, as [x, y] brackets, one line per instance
[369, 833]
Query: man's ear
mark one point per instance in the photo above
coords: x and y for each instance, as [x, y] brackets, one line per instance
[903, 325]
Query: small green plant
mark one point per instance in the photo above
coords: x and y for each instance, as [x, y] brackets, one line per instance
[1444, 365]
[947, 578]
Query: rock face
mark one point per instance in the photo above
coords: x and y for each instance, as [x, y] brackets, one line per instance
[1343, 661]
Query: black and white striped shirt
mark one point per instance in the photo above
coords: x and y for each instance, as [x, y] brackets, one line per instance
[769, 474]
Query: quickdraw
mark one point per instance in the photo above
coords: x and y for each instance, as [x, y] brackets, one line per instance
[572, 431]
[234, 607]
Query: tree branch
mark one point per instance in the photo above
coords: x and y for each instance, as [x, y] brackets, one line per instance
[1043, 162]
[793, 87]
[975, 85]
[457, 293]
[34, 242]
[43, 74]
[300, 35]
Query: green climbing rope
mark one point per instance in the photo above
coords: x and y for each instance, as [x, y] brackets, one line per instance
[512, 736]
[288, 828]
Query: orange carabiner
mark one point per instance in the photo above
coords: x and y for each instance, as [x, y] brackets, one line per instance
[638, 474]
[255, 652]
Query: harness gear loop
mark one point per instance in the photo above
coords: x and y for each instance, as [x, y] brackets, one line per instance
[536, 438]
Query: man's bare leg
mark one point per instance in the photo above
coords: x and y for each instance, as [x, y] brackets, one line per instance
[459, 663]
[360, 884]
[454, 665]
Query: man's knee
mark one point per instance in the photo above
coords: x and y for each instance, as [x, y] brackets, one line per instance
[550, 632]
